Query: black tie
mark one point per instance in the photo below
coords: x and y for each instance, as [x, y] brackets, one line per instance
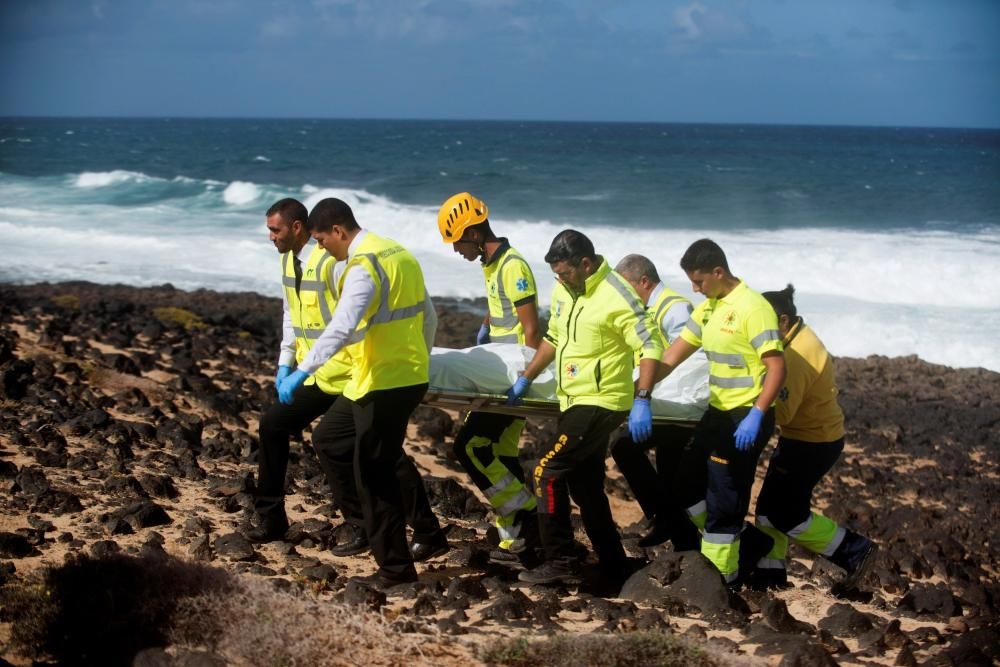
[297, 264]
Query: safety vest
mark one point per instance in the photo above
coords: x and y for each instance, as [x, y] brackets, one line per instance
[666, 298]
[734, 331]
[509, 281]
[595, 335]
[807, 407]
[388, 347]
[310, 309]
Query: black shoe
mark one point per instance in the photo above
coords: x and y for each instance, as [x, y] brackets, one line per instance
[551, 572]
[768, 579]
[381, 582]
[358, 544]
[856, 555]
[658, 534]
[421, 551]
[754, 545]
[268, 530]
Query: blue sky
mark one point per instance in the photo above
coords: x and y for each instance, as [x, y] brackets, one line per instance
[902, 62]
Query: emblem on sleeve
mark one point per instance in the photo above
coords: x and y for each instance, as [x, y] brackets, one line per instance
[522, 284]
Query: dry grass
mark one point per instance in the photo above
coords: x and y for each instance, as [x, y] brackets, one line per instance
[257, 625]
[638, 649]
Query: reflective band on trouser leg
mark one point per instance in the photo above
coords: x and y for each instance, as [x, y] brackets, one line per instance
[818, 534]
[698, 513]
[775, 558]
[724, 552]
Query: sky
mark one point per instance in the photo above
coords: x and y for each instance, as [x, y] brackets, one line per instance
[850, 62]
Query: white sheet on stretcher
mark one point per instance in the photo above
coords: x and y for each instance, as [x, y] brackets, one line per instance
[491, 369]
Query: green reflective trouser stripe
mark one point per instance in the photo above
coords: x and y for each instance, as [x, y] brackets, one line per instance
[724, 552]
[780, 548]
[506, 494]
[698, 513]
[818, 534]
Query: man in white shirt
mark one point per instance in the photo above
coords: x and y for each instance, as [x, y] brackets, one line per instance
[651, 486]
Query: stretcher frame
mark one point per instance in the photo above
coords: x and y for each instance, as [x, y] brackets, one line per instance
[448, 399]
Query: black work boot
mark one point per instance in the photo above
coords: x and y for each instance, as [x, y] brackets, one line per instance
[552, 572]
[658, 534]
[754, 545]
[856, 555]
[356, 543]
[269, 528]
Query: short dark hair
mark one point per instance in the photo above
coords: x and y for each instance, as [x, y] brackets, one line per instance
[704, 255]
[289, 209]
[329, 212]
[570, 246]
[782, 301]
[634, 267]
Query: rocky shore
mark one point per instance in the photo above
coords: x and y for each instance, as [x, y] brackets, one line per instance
[128, 428]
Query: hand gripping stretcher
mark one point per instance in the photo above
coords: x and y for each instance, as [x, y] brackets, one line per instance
[476, 378]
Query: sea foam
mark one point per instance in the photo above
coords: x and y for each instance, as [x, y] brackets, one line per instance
[864, 292]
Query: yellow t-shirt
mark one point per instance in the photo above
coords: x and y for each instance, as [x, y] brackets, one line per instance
[807, 407]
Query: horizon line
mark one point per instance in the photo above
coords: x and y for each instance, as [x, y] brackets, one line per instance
[498, 120]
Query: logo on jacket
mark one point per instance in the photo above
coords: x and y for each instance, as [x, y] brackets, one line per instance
[559, 305]
[522, 284]
[572, 370]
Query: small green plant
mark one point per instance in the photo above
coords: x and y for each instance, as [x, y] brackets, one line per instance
[66, 301]
[171, 315]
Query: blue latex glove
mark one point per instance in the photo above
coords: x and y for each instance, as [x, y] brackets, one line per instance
[746, 432]
[640, 420]
[516, 392]
[289, 385]
[283, 372]
[483, 336]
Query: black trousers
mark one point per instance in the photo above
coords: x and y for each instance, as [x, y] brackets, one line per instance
[377, 486]
[796, 467]
[574, 467]
[651, 486]
[713, 470]
[278, 423]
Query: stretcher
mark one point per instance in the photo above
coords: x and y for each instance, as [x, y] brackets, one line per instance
[476, 378]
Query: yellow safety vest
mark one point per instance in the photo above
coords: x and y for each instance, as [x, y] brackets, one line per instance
[388, 347]
[735, 331]
[509, 282]
[595, 335]
[310, 309]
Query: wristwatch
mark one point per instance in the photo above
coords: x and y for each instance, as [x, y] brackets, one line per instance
[644, 394]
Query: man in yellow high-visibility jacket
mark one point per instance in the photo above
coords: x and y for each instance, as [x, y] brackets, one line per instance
[738, 330]
[811, 440]
[487, 444]
[380, 319]
[309, 296]
[597, 326]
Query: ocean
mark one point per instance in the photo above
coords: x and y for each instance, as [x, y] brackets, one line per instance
[891, 236]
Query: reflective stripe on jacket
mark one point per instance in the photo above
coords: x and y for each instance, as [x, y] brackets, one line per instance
[595, 335]
[735, 331]
[509, 283]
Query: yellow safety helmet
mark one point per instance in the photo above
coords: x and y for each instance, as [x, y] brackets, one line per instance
[460, 212]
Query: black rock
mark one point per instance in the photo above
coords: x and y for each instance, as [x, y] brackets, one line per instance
[13, 545]
[359, 594]
[935, 600]
[451, 499]
[509, 606]
[686, 577]
[160, 486]
[323, 572]
[775, 613]
[235, 547]
[843, 620]
[104, 548]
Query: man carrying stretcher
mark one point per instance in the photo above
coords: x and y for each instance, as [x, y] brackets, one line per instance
[487, 444]
[597, 325]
